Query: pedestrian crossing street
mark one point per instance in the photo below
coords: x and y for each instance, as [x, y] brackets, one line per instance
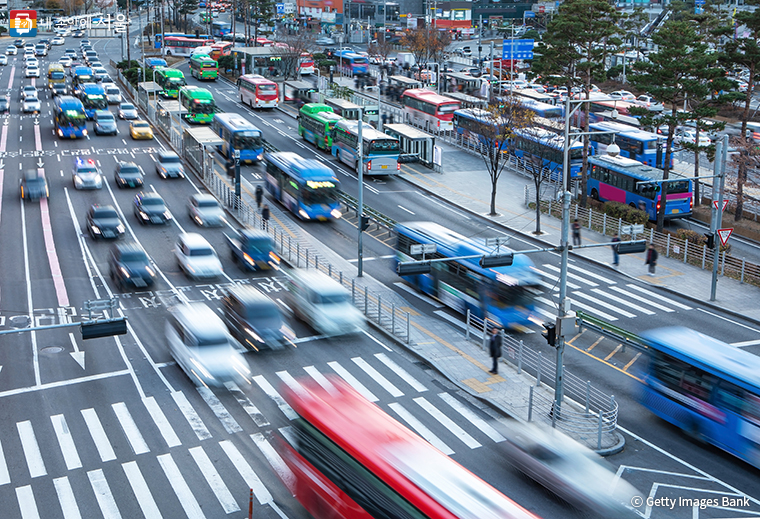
[600, 296]
[205, 447]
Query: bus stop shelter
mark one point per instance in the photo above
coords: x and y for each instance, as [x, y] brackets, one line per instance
[145, 91]
[169, 115]
[197, 143]
[416, 146]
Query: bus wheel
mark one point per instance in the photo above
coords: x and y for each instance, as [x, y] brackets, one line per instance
[595, 194]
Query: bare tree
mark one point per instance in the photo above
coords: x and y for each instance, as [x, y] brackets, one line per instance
[380, 48]
[538, 161]
[297, 44]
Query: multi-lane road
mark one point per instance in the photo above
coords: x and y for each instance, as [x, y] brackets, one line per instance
[113, 428]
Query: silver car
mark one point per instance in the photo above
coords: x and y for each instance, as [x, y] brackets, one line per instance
[169, 165]
[127, 111]
[196, 257]
[87, 175]
[205, 211]
[31, 104]
[113, 94]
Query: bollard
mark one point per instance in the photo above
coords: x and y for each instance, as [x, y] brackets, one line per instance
[485, 332]
[685, 249]
[289, 248]
[704, 253]
[743, 261]
[379, 310]
[393, 318]
[250, 505]
[467, 326]
[353, 292]
[530, 404]
[408, 330]
[590, 217]
[307, 259]
[604, 224]
[599, 433]
[667, 247]
[723, 264]
[588, 395]
[298, 254]
[519, 358]
[538, 370]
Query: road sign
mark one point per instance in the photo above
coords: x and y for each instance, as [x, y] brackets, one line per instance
[23, 23]
[529, 14]
[632, 229]
[517, 49]
[723, 234]
[542, 9]
[725, 204]
[496, 242]
[280, 8]
[425, 248]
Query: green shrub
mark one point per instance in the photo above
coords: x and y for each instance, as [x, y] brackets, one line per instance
[614, 72]
[226, 62]
[325, 63]
[626, 213]
[694, 237]
[318, 56]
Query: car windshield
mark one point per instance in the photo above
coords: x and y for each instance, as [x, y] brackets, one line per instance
[140, 124]
[448, 108]
[86, 170]
[152, 201]
[112, 91]
[247, 140]
[105, 213]
[129, 170]
[330, 299]
[170, 159]
[106, 117]
[206, 204]
[32, 99]
[127, 107]
[134, 257]
[201, 251]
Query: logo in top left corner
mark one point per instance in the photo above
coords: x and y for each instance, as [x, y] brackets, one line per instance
[23, 23]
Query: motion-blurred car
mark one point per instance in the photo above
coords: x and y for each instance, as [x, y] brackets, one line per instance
[3, 59]
[10, 50]
[199, 342]
[32, 70]
[33, 186]
[105, 123]
[205, 211]
[688, 135]
[622, 95]
[169, 165]
[28, 91]
[324, 40]
[99, 73]
[78, 34]
[150, 208]
[127, 111]
[87, 174]
[60, 89]
[128, 174]
[129, 266]
[574, 472]
[58, 40]
[31, 104]
[20, 42]
[113, 94]
[5, 104]
[255, 320]
[140, 129]
[65, 61]
[196, 257]
[103, 222]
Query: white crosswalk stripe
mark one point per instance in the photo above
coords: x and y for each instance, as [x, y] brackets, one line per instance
[471, 417]
[622, 301]
[274, 459]
[348, 377]
[319, 378]
[66, 498]
[214, 480]
[103, 495]
[164, 427]
[31, 449]
[377, 377]
[593, 275]
[291, 382]
[26, 503]
[591, 309]
[659, 297]
[66, 442]
[181, 489]
[556, 279]
[98, 435]
[421, 429]
[642, 299]
[247, 473]
[448, 423]
[5, 476]
[272, 393]
[224, 416]
[247, 405]
[571, 275]
[141, 490]
[195, 421]
[401, 372]
[128, 425]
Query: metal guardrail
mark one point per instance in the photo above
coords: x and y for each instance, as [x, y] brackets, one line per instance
[584, 320]
[373, 214]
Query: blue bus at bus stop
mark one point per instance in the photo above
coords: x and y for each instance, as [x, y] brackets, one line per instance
[238, 135]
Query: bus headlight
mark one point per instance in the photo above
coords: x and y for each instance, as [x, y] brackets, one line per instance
[60, 133]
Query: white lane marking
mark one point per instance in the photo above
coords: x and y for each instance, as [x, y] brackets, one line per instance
[372, 258]
[365, 332]
[471, 417]
[103, 495]
[372, 372]
[5, 476]
[592, 310]
[66, 498]
[267, 388]
[129, 426]
[292, 383]
[420, 428]
[245, 470]
[320, 379]
[659, 297]
[729, 320]
[161, 422]
[348, 377]
[448, 423]
[592, 274]
[30, 304]
[214, 480]
[31, 449]
[642, 299]
[246, 404]
[622, 301]
[181, 489]
[556, 278]
[98, 435]
[224, 416]
[401, 372]
[603, 304]
[195, 421]
[405, 209]
[744, 344]
[141, 490]
[66, 442]
[544, 312]
[429, 300]
[26, 503]
[571, 275]
[274, 459]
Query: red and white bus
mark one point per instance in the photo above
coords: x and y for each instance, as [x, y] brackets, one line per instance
[219, 49]
[306, 64]
[428, 110]
[183, 46]
[263, 42]
[352, 459]
[257, 91]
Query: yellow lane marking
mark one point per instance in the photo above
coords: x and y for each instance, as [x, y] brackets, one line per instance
[634, 359]
[451, 347]
[570, 342]
[619, 346]
[605, 363]
[477, 385]
[600, 339]
[411, 311]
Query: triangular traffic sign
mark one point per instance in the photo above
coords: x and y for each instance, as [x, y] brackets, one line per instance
[723, 234]
[725, 204]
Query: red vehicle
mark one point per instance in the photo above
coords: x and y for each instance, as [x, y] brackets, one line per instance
[306, 63]
[219, 49]
[183, 46]
[257, 91]
[429, 110]
[351, 460]
[263, 42]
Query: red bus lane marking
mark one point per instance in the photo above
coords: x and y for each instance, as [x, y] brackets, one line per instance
[47, 230]
[10, 81]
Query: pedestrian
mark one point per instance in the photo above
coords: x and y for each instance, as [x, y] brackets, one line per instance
[615, 254]
[494, 349]
[651, 259]
[259, 195]
[384, 117]
[576, 232]
[265, 217]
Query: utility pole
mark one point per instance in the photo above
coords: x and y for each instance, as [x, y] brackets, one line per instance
[360, 202]
[721, 154]
[129, 17]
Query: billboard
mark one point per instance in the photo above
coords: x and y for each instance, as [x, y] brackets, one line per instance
[23, 23]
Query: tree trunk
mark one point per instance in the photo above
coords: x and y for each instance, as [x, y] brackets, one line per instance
[696, 168]
[741, 176]
[494, 180]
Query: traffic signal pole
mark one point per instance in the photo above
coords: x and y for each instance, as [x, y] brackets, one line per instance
[721, 154]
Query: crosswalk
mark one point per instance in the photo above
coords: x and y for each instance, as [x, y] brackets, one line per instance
[601, 296]
[201, 449]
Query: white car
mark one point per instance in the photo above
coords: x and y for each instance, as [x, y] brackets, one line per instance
[65, 61]
[622, 95]
[30, 58]
[99, 73]
[205, 211]
[687, 135]
[127, 111]
[3, 59]
[196, 257]
[58, 40]
[113, 94]
[32, 71]
[649, 103]
[11, 50]
[31, 104]
[28, 91]
[71, 53]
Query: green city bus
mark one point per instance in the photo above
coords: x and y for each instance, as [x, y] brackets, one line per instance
[315, 124]
[199, 103]
[203, 67]
[170, 80]
[206, 18]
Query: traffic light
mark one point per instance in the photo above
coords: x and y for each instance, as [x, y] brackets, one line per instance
[413, 267]
[497, 260]
[710, 240]
[96, 329]
[550, 333]
[364, 223]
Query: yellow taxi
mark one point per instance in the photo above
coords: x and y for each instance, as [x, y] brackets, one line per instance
[140, 130]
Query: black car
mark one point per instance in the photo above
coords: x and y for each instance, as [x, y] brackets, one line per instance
[103, 222]
[128, 174]
[45, 42]
[60, 89]
[150, 208]
[20, 42]
[129, 266]
[78, 34]
[255, 320]
[4, 105]
[33, 186]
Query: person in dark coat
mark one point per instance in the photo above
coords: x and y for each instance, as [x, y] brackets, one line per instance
[259, 195]
[265, 217]
[615, 255]
[494, 349]
[651, 259]
[576, 232]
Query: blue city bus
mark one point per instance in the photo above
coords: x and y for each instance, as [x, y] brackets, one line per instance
[307, 187]
[707, 388]
[616, 179]
[352, 63]
[543, 109]
[219, 29]
[240, 135]
[93, 98]
[70, 120]
[634, 143]
[380, 152]
[504, 295]
[81, 76]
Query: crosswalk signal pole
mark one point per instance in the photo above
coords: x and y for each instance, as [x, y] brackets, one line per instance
[721, 152]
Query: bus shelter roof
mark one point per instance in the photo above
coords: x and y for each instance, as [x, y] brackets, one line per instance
[204, 136]
[409, 132]
[171, 106]
[262, 52]
[149, 86]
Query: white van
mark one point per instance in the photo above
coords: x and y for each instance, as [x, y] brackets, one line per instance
[405, 58]
[322, 303]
